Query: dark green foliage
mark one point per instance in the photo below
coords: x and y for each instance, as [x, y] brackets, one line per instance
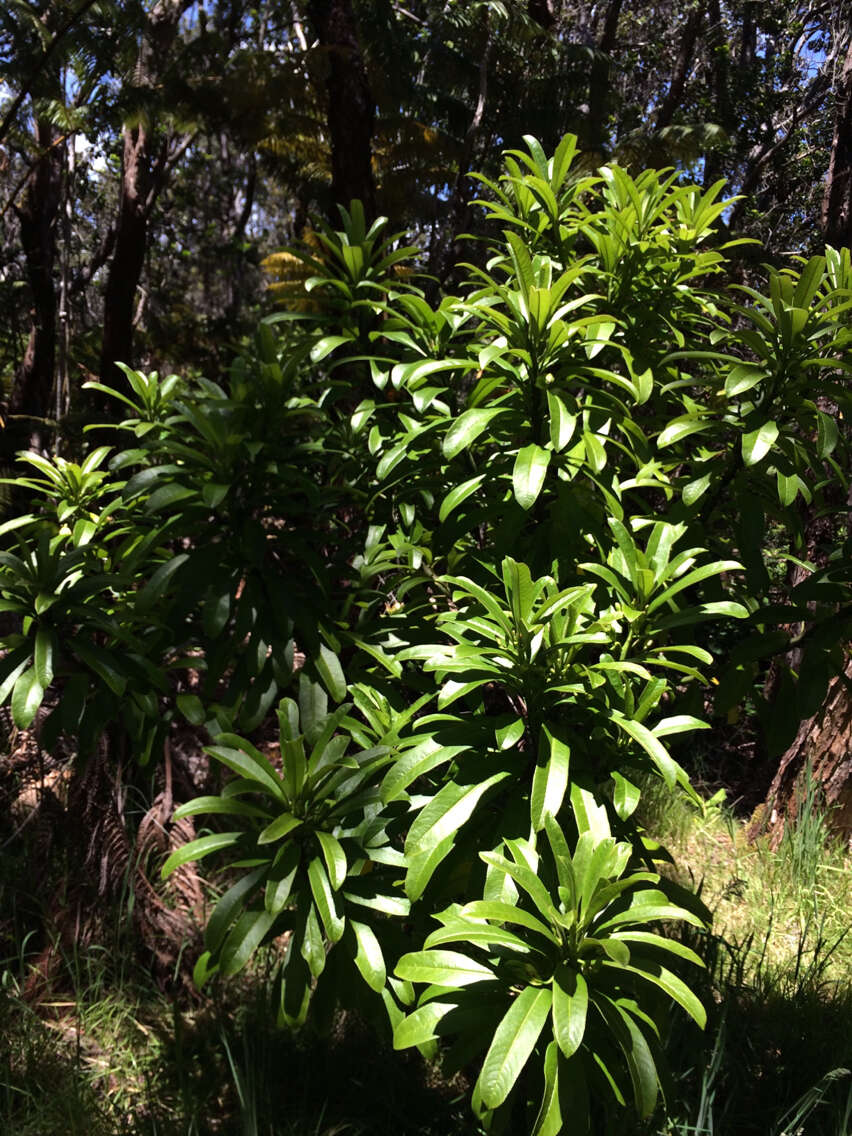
[509, 570]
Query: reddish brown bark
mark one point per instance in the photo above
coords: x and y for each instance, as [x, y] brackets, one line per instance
[825, 742]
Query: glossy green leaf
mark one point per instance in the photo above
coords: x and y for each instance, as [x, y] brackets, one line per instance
[756, 444]
[442, 968]
[368, 956]
[570, 1007]
[334, 856]
[43, 657]
[26, 699]
[420, 1025]
[247, 761]
[156, 587]
[445, 814]
[467, 428]
[281, 877]
[325, 900]
[562, 423]
[529, 473]
[651, 745]
[243, 940]
[548, 1121]
[512, 1044]
[196, 849]
[625, 797]
[459, 494]
[550, 779]
[330, 671]
[637, 1054]
[282, 826]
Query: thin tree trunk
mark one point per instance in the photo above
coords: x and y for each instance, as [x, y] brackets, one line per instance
[674, 95]
[131, 242]
[351, 111]
[720, 85]
[142, 174]
[596, 139]
[837, 201]
[37, 215]
[445, 250]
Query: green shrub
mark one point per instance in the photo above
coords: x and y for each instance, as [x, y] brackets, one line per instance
[510, 570]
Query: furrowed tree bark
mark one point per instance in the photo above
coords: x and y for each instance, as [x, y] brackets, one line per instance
[37, 216]
[825, 743]
[837, 201]
[143, 169]
[351, 111]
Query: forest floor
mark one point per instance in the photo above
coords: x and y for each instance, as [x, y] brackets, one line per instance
[108, 1053]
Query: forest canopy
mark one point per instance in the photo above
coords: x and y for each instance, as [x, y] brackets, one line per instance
[426, 444]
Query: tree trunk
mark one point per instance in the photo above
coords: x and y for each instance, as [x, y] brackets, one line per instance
[595, 135]
[674, 95]
[131, 242]
[142, 176]
[351, 110]
[837, 201]
[445, 248]
[825, 742]
[37, 216]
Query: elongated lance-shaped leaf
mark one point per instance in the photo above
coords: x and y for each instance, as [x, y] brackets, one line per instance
[334, 856]
[226, 909]
[226, 806]
[325, 900]
[452, 806]
[550, 779]
[415, 762]
[659, 942]
[282, 826]
[421, 1024]
[663, 978]
[694, 577]
[368, 955]
[548, 1122]
[467, 428]
[458, 494]
[281, 877]
[525, 878]
[637, 1054]
[655, 749]
[421, 866]
[501, 912]
[26, 699]
[243, 940]
[528, 474]
[512, 1044]
[312, 946]
[461, 930]
[196, 849]
[248, 762]
[442, 968]
[488, 601]
[570, 1007]
[589, 814]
